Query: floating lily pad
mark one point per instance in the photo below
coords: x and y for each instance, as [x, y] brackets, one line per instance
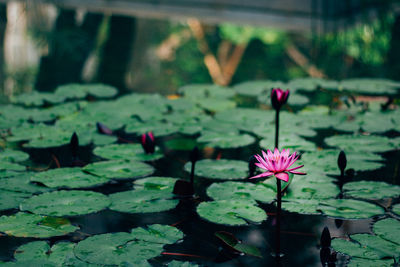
[302, 206]
[292, 142]
[358, 262]
[126, 152]
[231, 212]
[10, 199]
[155, 183]
[220, 169]
[268, 130]
[372, 86]
[21, 183]
[182, 264]
[326, 161]
[371, 190]
[396, 209]
[58, 254]
[143, 201]
[82, 90]
[241, 191]
[195, 91]
[37, 98]
[68, 177]
[225, 140]
[349, 209]
[215, 104]
[118, 248]
[303, 189]
[388, 229]
[157, 128]
[13, 155]
[119, 169]
[367, 143]
[32, 225]
[184, 143]
[66, 203]
[9, 166]
[255, 88]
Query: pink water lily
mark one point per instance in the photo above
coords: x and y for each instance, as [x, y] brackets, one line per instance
[277, 164]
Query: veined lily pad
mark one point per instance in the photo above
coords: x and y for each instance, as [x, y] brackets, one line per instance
[220, 169]
[118, 248]
[126, 152]
[241, 191]
[349, 209]
[367, 143]
[21, 183]
[10, 199]
[66, 203]
[155, 183]
[13, 155]
[384, 245]
[302, 206]
[326, 161]
[143, 201]
[302, 189]
[371, 190]
[40, 250]
[32, 225]
[119, 169]
[224, 140]
[231, 212]
[68, 177]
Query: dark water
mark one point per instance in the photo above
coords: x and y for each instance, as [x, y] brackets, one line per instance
[300, 233]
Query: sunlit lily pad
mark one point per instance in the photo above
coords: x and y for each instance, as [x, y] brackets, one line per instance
[126, 152]
[35, 98]
[220, 169]
[225, 140]
[349, 209]
[241, 191]
[68, 177]
[155, 183]
[13, 155]
[367, 143]
[9, 166]
[255, 88]
[231, 212]
[195, 91]
[32, 225]
[371, 190]
[292, 142]
[215, 104]
[303, 189]
[66, 203]
[118, 248]
[156, 127]
[302, 206]
[372, 86]
[119, 169]
[396, 209]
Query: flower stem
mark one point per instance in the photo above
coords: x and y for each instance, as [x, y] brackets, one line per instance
[279, 196]
[192, 173]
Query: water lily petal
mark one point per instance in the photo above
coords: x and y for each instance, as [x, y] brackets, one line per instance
[265, 174]
[282, 176]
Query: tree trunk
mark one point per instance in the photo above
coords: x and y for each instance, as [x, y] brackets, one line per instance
[3, 24]
[69, 49]
[117, 50]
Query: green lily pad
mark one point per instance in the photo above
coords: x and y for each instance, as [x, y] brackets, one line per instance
[367, 143]
[68, 177]
[21, 183]
[118, 248]
[358, 262]
[13, 155]
[292, 142]
[215, 104]
[220, 169]
[303, 189]
[11, 200]
[231, 212]
[326, 161]
[241, 191]
[225, 140]
[9, 166]
[372, 249]
[76, 91]
[195, 91]
[35, 98]
[371, 190]
[302, 206]
[182, 264]
[156, 127]
[231, 241]
[268, 130]
[184, 144]
[119, 169]
[396, 209]
[371, 86]
[349, 209]
[32, 225]
[155, 183]
[58, 254]
[126, 152]
[255, 88]
[66, 203]
[143, 201]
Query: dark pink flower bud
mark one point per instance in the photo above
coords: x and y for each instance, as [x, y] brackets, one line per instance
[279, 98]
[101, 128]
[148, 143]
